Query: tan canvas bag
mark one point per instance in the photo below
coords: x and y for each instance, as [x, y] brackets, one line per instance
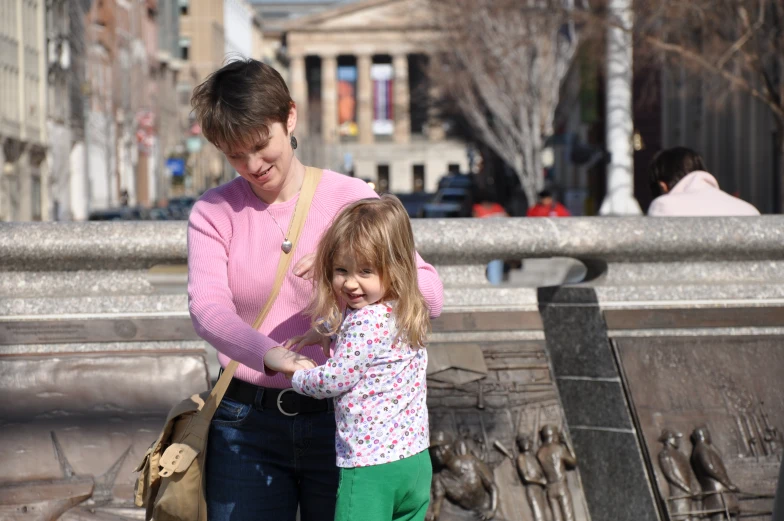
[172, 474]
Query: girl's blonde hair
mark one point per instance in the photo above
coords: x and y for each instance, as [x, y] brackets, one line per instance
[378, 232]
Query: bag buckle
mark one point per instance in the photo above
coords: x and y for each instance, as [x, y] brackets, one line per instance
[279, 402]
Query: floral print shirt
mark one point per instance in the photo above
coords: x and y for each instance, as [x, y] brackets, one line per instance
[379, 387]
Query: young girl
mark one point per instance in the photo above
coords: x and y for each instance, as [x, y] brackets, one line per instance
[367, 294]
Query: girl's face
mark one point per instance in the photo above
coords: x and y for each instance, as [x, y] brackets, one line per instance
[356, 284]
[266, 163]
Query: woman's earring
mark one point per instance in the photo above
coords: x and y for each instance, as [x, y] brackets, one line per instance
[293, 143]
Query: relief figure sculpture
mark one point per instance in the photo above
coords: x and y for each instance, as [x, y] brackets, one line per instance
[463, 479]
[532, 476]
[676, 470]
[468, 443]
[718, 491]
[556, 458]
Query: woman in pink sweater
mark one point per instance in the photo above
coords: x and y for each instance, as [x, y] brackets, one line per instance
[270, 450]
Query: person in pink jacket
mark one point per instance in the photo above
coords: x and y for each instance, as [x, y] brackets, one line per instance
[685, 189]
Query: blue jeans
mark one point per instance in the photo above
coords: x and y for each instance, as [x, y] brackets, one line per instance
[262, 464]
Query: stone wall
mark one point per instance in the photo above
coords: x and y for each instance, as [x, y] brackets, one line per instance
[602, 360]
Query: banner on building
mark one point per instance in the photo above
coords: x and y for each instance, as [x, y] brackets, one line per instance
[347, 100]
[145, 130]
[383, 116]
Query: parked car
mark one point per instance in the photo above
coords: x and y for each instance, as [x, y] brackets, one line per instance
[449, 202]
[465, 181]
[161, 214]
[123, 213]
[180, 207]
[414, 202]
[111, 214]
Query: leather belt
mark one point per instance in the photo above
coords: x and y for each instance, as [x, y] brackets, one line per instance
[285, 401]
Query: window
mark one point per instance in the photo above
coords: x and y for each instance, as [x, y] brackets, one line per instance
[382, 172]
[184, 4]
[419, 178]
[453, 168]
[185, 48]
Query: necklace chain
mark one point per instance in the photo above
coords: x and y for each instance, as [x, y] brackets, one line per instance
[286, 244]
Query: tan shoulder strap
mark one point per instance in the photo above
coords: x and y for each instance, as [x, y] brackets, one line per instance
[301, 210]
[312, 178]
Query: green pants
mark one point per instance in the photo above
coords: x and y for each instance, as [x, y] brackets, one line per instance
[397, 491]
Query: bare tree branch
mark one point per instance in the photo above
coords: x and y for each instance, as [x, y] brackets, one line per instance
[502, 63]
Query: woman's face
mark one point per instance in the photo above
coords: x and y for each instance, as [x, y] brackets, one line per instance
[266, 163]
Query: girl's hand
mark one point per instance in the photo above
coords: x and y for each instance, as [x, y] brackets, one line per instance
[304, 268]
[311, 338]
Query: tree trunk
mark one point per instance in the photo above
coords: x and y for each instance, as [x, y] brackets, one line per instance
[527, 182]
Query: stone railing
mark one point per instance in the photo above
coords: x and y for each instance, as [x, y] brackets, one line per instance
[96, 344]
[115, 258]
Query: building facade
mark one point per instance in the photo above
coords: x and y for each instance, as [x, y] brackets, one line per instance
[23, 125]
[112, 86]
[357, 72]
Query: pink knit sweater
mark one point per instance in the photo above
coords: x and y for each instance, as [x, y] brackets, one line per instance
[233, 252]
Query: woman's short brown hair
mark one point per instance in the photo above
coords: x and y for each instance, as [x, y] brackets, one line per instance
[237, 104]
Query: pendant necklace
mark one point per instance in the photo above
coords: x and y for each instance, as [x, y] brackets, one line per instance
[286, 245]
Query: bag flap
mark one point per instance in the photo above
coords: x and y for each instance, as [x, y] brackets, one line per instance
[144, 461]
[192, 404]
[177, 458]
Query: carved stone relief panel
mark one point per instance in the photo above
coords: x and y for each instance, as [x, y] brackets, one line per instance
[498, 443]
[710, 410]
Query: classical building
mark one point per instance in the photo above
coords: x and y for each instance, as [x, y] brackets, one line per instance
[23, 92]
[357, 72]
[276, 14]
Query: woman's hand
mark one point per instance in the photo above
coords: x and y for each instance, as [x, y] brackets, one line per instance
[311, 338]
[304, 268]
[303, 363]
[285, 361]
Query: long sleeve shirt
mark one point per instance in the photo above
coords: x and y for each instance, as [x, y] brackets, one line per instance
[233, 251]
[379, 387]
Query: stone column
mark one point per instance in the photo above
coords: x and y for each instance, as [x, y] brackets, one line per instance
[329, 99]
[25, 183]
[47, 204]
[401, 99]
[364, 99]
[299, 91]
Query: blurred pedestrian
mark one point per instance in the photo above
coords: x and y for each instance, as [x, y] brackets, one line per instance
[487, 209]
[682, 187]
[547, 206]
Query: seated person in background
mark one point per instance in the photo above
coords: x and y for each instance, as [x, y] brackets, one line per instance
[682, 187]
[548, 207]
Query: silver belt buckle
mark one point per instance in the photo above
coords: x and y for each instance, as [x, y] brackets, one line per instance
[280, 395]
